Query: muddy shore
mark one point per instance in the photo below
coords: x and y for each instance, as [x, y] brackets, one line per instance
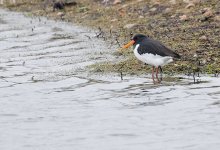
[191, 29]
[49, 101]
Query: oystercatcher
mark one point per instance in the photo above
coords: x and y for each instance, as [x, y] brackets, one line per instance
[151, 52]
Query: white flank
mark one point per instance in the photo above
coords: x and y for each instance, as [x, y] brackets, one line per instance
[151, 59]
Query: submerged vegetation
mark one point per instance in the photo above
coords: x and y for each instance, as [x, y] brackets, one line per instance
[191, 28]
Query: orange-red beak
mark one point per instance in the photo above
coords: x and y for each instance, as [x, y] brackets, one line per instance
[129, 44]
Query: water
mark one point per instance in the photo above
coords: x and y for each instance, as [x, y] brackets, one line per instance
[48, 99]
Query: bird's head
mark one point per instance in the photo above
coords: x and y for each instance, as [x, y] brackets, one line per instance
[135, 40]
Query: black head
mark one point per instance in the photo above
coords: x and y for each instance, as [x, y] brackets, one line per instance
[139, 37]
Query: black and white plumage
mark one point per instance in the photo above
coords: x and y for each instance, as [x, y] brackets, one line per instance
[151, 52]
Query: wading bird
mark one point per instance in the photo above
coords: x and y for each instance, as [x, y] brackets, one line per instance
[151, 52]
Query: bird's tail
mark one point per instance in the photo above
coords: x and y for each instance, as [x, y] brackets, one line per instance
[175, 55]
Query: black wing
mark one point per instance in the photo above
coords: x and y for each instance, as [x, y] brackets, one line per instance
[155, 47]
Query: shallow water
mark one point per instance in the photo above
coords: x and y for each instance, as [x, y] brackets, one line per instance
[49, 101]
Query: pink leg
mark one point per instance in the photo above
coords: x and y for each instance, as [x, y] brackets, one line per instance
[157, 70]
[153, 74]
[157, 73]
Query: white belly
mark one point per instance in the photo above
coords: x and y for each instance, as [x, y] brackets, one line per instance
[151, 59]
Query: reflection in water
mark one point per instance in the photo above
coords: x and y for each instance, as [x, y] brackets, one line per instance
[49, 101]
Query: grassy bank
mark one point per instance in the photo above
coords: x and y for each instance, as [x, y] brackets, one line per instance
[190, 29]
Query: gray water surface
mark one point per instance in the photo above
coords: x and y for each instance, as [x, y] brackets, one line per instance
[48, 101]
